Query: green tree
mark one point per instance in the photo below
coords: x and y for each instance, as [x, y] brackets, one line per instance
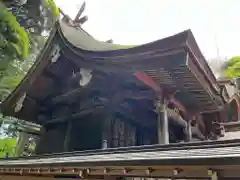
[15, 62]
[21, 40]
[36, 16]
[7, 146]
[232, 67]
[14, 41]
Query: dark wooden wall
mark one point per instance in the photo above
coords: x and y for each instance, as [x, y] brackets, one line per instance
[85, 133]
[88, 133]
[52, 139]
[126, 132]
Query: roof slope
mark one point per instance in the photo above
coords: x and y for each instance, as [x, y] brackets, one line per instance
[169, 60]
[81, 39]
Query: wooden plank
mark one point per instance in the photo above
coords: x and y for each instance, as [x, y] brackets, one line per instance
[155, 171]
[17, 177]
[85, 93]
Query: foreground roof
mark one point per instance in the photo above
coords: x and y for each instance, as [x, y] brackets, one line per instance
[179, 161]
[175, 64]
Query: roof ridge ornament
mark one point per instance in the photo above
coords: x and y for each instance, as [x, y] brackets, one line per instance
[79, 20]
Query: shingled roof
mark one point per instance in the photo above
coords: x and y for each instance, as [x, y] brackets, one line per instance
[174, 63]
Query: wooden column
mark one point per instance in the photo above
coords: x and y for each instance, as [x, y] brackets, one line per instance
[106, 131]
[67, 136]
[114, 100]
[22, 141]
[162, 122]
[40, 142]
[107, 122]
[189, 130]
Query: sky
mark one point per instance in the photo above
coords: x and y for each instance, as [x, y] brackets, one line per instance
[214, 23]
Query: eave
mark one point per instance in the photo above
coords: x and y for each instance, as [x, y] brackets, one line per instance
[200, 160]
[191, 66]
[202, 89]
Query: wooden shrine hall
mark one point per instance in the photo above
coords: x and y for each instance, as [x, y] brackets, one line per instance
[88, 94]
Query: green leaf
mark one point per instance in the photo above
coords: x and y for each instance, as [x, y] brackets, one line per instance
[232, 67]
[13, 32]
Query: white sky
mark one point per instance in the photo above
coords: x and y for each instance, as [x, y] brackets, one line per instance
[141, 21]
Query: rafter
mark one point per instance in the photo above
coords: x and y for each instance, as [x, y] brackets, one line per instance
[82, 94]
[142, 76]
[144, 118]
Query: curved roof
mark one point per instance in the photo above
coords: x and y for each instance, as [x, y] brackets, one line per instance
[175, 63]
[82, 44]
[82, 40]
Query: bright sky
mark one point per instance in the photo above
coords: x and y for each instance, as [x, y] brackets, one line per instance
[140, 21]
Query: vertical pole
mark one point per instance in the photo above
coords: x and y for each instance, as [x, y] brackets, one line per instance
[40, 141]
[159, 129]
[106, 128]
[189, 130]
[67, 136]
[162, 122]
[105, 133]
[22, 141]
[165, 124]
[104, 144]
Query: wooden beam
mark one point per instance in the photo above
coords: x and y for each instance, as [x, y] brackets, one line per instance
[86, 93]
[231, 126]
[142, 118]
[17, 177]
[96, 83]
[81, 113]
[69, 86]
[142, 76]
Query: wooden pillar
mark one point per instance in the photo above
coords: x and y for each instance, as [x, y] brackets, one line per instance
[162, 122]
[189, 130]
[22, 141]
[113, 102]
[40, 141]
[238, 107]
[106, 131]
[67, 136]
[107, 123]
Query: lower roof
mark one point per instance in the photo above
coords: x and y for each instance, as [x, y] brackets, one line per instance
[179, 161]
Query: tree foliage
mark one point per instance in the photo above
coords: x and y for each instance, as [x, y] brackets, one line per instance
[232, 67]
[36, 16]
[23, 25]
[7, 146]
[14, 41]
